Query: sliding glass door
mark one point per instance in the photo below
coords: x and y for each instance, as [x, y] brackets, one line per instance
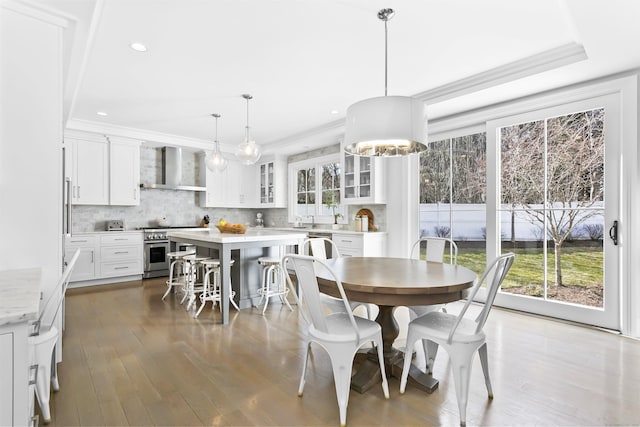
[553, 179]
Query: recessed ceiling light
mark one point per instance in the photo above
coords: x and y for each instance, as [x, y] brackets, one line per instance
[334, 112]
[138, 47]
[102, 113]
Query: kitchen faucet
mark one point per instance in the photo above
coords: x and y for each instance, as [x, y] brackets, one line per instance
[313, 221]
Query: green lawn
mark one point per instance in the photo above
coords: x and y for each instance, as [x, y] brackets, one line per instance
[581, 266]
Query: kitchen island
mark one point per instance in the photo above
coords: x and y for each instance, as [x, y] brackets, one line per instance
[245, 249]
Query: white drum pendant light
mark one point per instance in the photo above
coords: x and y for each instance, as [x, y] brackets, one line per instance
[214, 160]
[248, 152]
[386, 125]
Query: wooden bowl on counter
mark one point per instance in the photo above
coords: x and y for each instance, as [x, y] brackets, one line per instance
[232, 228]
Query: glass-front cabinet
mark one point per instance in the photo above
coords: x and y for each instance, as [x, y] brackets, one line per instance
[272, 181]
[363, 179]
[266, 183]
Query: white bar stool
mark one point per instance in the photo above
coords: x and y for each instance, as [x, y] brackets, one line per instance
[193, 263]
[176, 270]
[211, 289]
[273, 282]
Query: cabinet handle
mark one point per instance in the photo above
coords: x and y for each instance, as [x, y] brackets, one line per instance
[121, 252]
[78, 191]
[121, 268]
[78, 241]
[121, 238]
[134, 193]
[34, 370]
[346, 241]
[91, 257]
[35, 420]
[35, 328]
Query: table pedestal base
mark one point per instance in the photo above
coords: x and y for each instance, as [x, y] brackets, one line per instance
[368, 373]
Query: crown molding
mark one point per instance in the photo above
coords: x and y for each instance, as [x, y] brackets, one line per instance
[150, 137]
[38, 11]
[529, 66]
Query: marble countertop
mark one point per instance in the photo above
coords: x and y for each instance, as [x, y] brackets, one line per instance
[19, 295]
[252, 235]
[323, 230]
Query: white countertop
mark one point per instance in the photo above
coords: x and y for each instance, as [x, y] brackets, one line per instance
[252, 235]
[19, 295]
[323, 230]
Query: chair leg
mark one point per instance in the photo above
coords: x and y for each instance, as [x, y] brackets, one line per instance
[484, 361]
[461, 357]
[267, 287]
[282, 287]
[342, 366]
[385, 383]
[170, 281]
[304, 369]
[412, 337]
[430, 352]
[55, 385]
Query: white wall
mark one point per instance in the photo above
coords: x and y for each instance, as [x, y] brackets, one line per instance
[30, 142]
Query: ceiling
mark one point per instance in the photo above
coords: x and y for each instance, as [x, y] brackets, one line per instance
[303, 59]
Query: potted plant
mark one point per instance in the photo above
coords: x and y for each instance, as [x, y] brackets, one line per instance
[332, 200]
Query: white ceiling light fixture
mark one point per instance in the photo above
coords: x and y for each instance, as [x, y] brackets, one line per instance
[386, 125]
[138, 47]
[102, 114]
[214, 160]
[248, 151]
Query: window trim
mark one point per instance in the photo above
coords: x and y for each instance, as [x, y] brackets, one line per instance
[315, 162]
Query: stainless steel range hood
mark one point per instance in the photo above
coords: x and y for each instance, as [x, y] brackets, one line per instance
[172, 172]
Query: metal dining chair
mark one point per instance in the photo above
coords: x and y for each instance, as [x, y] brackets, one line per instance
[460, 336]
[316, 246]
[340, 333]
[44, 338]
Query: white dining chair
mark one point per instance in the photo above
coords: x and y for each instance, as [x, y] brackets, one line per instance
[460, 336]
[341, 333]
[43, 340]
[316, 247]
[435, 249]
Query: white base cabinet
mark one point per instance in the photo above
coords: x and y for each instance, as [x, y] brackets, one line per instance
[105, 257]
[16, 392]
[361, 244]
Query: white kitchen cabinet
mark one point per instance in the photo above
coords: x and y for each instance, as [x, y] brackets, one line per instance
[16, 374]
[362, 179]
[272, 183]
[106, 256]
[120, 254]
[85, 268]
[89, 170]
[361, 244]
[232, 188]
[124, 172]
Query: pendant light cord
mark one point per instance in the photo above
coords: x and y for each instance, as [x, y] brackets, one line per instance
[247, 97]
[385, 57]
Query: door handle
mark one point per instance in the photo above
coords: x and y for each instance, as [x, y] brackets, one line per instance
[613, 233]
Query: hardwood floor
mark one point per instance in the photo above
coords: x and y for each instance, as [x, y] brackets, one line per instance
[131, 359]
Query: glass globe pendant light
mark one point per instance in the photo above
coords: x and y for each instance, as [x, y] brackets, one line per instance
[385, 125]
[214, 160]
[248, 152]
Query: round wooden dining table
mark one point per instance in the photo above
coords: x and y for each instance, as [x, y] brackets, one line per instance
[389, 283]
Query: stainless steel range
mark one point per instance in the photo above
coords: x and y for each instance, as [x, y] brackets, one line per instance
[156, 248]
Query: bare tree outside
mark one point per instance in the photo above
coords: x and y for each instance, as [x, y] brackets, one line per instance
[557, 179]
